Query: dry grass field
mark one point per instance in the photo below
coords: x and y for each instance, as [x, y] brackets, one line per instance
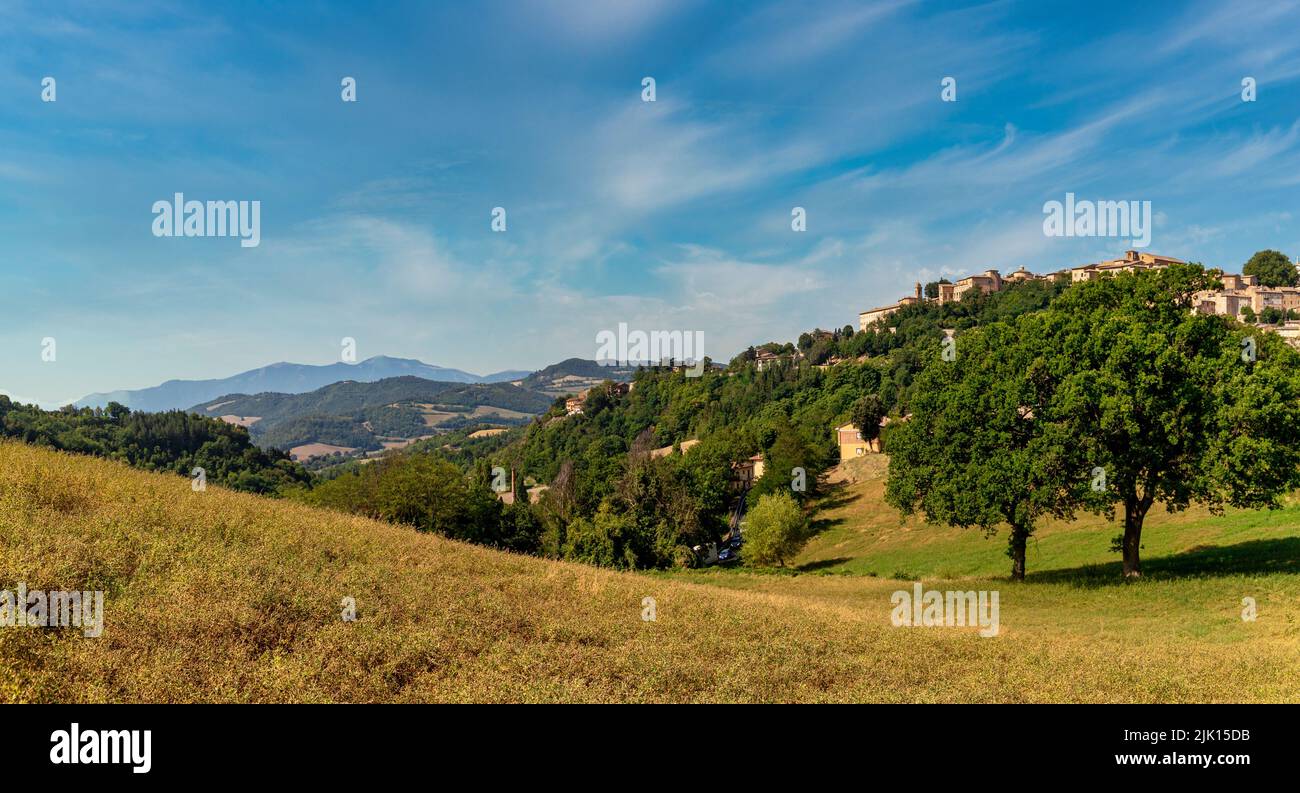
[226, 597]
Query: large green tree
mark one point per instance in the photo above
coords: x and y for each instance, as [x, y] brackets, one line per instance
[981, 448]
[1273, 268]
[1173, 406]
[1116, 394]
[789, 451]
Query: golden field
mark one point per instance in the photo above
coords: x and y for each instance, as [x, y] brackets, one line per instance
[223, 597]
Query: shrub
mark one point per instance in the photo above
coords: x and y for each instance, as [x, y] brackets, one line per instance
[775, 530]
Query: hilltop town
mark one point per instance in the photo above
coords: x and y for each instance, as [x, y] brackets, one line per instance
[1275, 308]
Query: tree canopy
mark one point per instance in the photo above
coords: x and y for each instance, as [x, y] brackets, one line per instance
[774, 531]
[1274, 268]
[982, 447]
[1175, 406]
[866, 415]
[173, 441]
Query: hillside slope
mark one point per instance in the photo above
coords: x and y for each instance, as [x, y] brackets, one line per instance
[859, 533]
[220, 596]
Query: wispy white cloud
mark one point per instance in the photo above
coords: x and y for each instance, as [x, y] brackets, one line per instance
[601, 24]
[1259, 149]
[654, 155]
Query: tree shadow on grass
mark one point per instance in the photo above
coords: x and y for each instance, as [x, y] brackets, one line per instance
[818, 525]
[837, 495]
[1254, 557]
[822, 564]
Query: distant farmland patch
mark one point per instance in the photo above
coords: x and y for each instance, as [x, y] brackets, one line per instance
[309, 450]
[241, 421]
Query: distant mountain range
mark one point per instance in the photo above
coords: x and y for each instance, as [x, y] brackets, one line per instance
[286, 378]
[357, 410]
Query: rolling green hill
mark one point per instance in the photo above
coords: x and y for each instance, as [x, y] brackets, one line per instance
[173, 441]
[362, 415]
[575, 375]
[350, 396]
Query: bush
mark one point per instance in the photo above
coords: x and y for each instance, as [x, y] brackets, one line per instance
[601, 540]
[774, 531]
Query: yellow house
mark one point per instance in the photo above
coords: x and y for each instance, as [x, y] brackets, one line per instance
[990, 281]
[851, 443]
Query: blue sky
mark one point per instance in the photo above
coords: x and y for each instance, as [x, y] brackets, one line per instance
[675, 214]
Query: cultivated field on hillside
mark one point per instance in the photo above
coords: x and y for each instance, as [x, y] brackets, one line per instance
[221, 596]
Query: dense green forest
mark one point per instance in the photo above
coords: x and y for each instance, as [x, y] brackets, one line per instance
[361, 430]
[334, 430]
[173, 441]
[431, 494]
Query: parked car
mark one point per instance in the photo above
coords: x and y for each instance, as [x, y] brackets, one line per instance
[707, 554]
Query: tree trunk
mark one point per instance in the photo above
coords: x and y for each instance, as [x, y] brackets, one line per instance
[1134, 513]
[1019, 537]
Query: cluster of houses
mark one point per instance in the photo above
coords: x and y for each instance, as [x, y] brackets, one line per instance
[766, 359]
[1239, 292]
[993, 281]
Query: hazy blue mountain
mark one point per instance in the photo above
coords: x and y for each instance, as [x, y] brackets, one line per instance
[506, 376]
[285, 378]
